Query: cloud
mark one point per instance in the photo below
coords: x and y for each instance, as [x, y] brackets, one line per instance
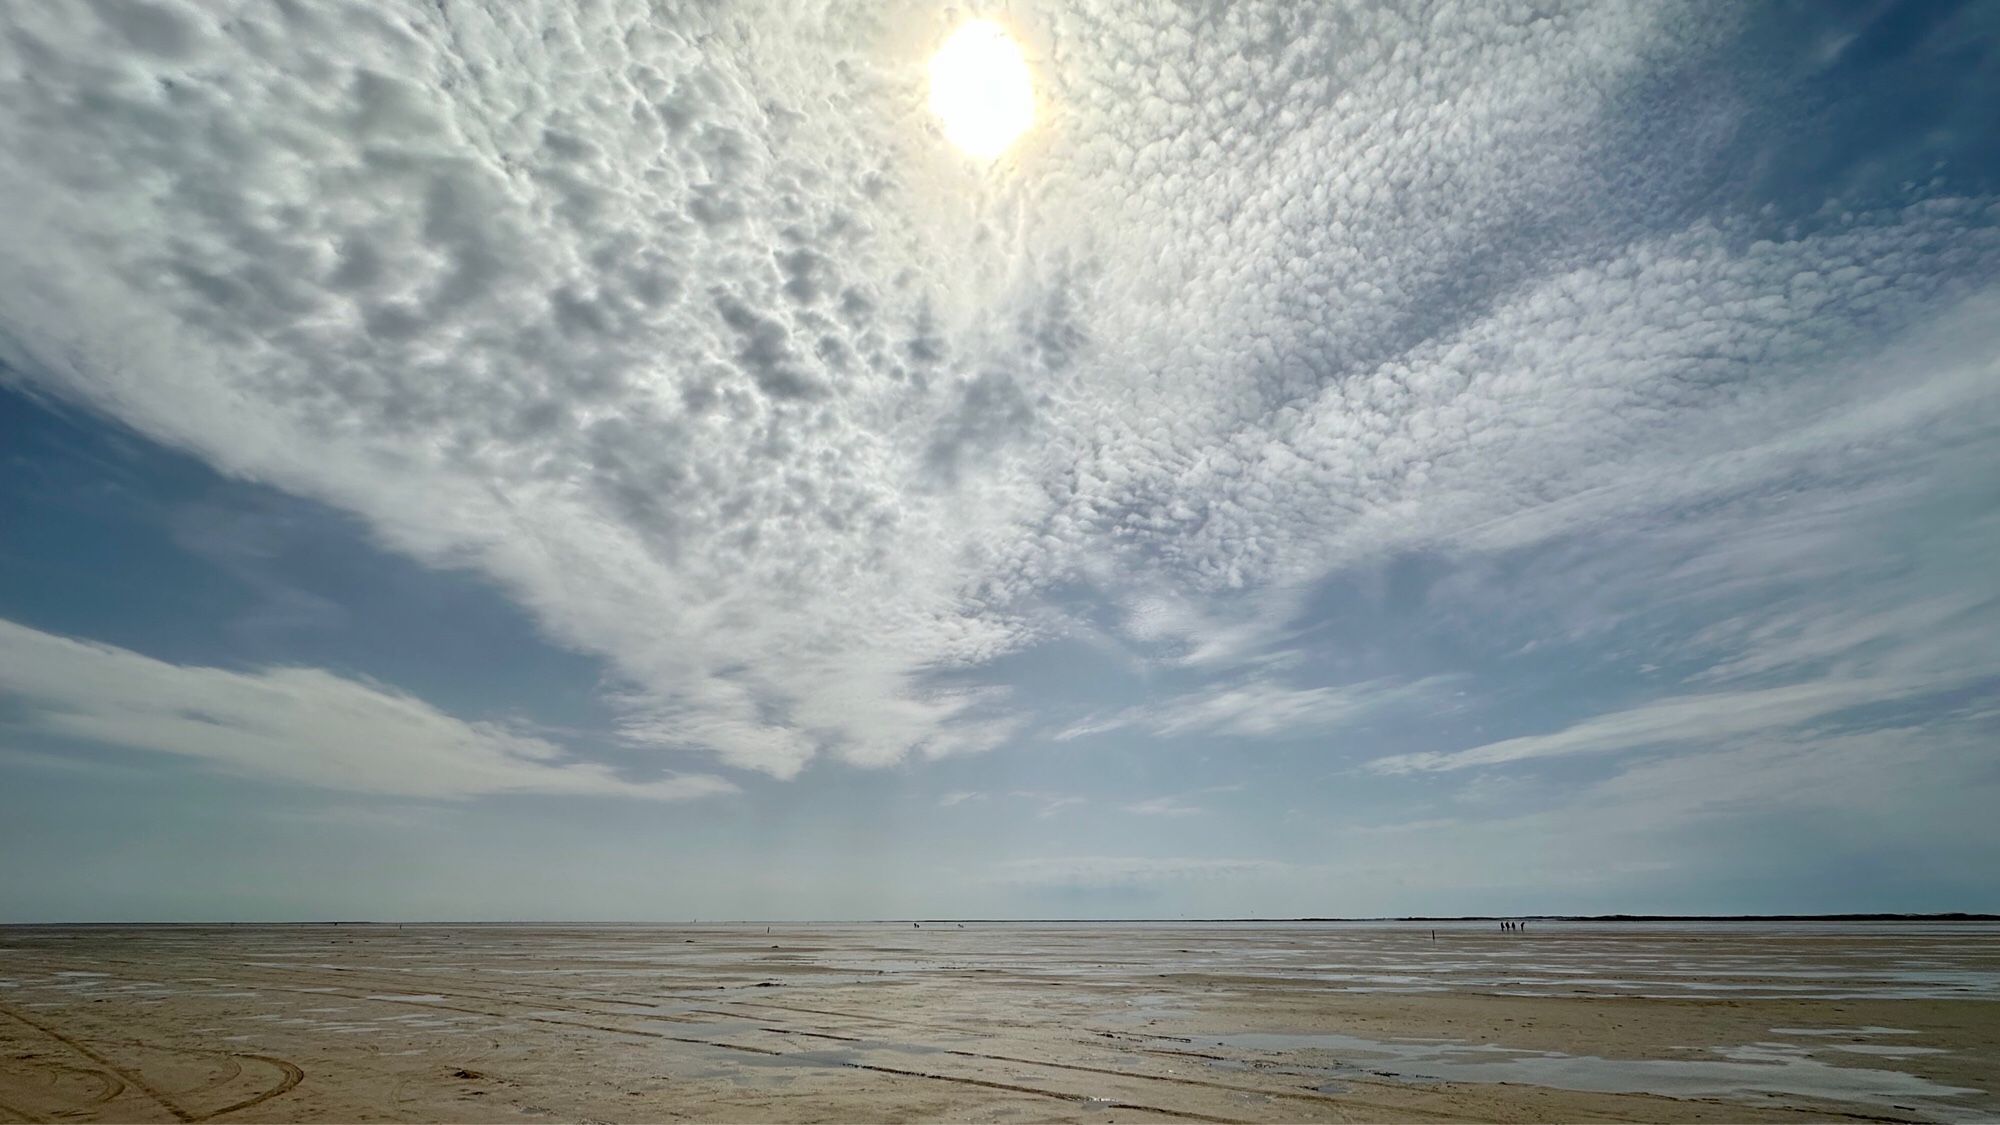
[1828, 607]
[707, 351]
[1695, 719]
[1786, 664]
[300, 725]
[1887, 774]
[1894, 790]
[1046, 804]
[1258, 708]
[1118, 872]
[1050, 803]
[1163, 806]
[1183, 804]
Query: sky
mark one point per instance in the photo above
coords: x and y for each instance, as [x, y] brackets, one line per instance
[618, 460]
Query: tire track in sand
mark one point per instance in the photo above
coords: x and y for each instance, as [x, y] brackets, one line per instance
[118, 1077]
[21, 1114]
[745, 1048]
[293, 1075]
[545, 1003]
[130, 1078]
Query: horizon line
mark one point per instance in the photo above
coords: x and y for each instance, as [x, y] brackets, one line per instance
[1874, 916]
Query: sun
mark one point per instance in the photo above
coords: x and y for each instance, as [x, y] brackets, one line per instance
[981, 89]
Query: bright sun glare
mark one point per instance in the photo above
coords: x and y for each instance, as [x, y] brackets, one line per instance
[980, 89]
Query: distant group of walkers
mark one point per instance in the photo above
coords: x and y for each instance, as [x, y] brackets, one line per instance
[1505, 928]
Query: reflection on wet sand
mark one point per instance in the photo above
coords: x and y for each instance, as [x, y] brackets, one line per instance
[1764, 1068]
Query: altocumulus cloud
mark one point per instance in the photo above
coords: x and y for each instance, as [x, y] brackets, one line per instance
[684, 326]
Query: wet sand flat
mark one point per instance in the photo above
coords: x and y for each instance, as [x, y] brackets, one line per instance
[1000, 1022]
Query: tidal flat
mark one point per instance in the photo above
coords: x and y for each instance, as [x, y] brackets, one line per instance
[984, 1021]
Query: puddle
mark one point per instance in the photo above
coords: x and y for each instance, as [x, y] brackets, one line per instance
[1750, 1070]
[814, 1058]
[1842, 1031]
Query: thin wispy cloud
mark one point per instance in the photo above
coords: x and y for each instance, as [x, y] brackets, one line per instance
[1050, 804]
[302, 725]
[1695, 719]
[1163, 806]
[1193, 803]
[1086, 872]
[1262, 708]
